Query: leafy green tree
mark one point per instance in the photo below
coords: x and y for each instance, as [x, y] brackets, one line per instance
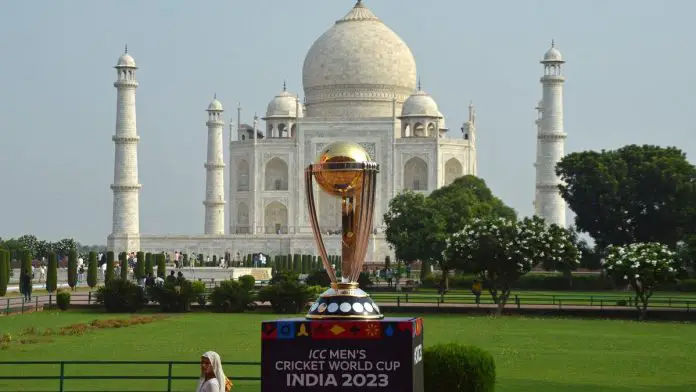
[4, 274]
[500, 251]
[643, 266]
[109, 273]
[633, 194]
[92, 270]
[562, 243]
[52, 272]
[29, 242]
[418, 227]
[25, 268]
[123, 263]
[72, 268]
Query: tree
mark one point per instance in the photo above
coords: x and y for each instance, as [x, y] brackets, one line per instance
[123, 263]
[25, 268]
[72, 268]
[109, 273]
[562, 243]
[4, 274]
[140, 266]
[52, 272]
[29, 242]
[161, 267]
[418, 227]
[633, 194]
[149, 269]
[92, 270]
[643, 266]
[500, 251]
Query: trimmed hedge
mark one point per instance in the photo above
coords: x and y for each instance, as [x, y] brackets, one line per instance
[109, 273]
[532, 281]
[4, 272]
[140, 265]
[63, 300]
[119, 295]
[25, 268]
[247, 282]
[92, 269]
[149, 269]
[231, 296]
[123, 263]
[457, 368]
[72, 268]
[52, 273]
[161, 267]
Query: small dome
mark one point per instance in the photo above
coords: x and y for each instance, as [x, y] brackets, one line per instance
[283, 105]
[125, 60]
[215, 105]
[420, 104]
[553, 55]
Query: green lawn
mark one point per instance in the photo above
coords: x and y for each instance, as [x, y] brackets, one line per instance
[532, 354]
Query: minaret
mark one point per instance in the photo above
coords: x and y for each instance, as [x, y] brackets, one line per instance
[548, 202]
[214, 169]
[469, 133]
[125, 233]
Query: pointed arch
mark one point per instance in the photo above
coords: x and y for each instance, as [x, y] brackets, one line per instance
[276, 175]
[416, 174]
[242, 218]
[242, 175]
[453, 170]
[275, 218]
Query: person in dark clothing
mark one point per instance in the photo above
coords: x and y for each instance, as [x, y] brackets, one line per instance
[150, 280]
[171, 278]
[25, 285]
[179, 277]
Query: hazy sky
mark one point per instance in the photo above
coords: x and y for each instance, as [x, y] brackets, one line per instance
[630, 79]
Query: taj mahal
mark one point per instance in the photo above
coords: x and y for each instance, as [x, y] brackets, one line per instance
[360, 84]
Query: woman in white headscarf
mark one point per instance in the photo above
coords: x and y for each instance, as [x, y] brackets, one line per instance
[212, 376]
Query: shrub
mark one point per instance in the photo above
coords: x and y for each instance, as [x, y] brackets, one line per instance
[231, 296]
[247, 281]
[149, 269]
[123, 262]
[25, 287]
[140, 265]
[318, 278]
[63, 300]
[288, 296]
[52, 273]
[457, 368]
[199, 287]
[687, 285]
[109, 273]
[4, 275]
[92, 270]
[161, 268]
[176, 296]
[119, 295]
[72, 268]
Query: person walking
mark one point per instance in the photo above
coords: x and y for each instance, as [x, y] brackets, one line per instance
[212, 378]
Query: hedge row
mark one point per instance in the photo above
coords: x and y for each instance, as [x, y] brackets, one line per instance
[536, 281]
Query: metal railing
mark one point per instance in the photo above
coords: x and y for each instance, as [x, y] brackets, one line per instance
[553, 300]
[62, 374]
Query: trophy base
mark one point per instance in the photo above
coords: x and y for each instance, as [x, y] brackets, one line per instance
[344, 301]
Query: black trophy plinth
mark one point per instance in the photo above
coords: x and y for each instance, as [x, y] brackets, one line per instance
[342, 355]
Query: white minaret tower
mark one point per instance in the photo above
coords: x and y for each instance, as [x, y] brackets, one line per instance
[548, 202]
[214, 172]
[125, 233]
[469, 133]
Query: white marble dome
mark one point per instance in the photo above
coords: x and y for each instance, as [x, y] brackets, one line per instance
[125, 60]
[356, 68]
[420, 104]
[215, 105]
[283, 105]
[553, 55]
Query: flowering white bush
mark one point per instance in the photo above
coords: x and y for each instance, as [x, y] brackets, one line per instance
[643, 266]
[502, 250]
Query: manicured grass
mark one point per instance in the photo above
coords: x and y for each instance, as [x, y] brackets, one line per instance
[532, 354]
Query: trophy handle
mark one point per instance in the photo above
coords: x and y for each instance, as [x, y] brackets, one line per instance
[365, 213]
[312, 212]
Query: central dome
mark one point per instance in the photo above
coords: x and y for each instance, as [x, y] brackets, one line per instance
[356, 68]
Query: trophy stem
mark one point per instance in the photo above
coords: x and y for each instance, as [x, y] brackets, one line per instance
[348, 238]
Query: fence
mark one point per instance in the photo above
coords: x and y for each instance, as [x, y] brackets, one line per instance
[18, 305]
[547, 300]
[62, 375]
